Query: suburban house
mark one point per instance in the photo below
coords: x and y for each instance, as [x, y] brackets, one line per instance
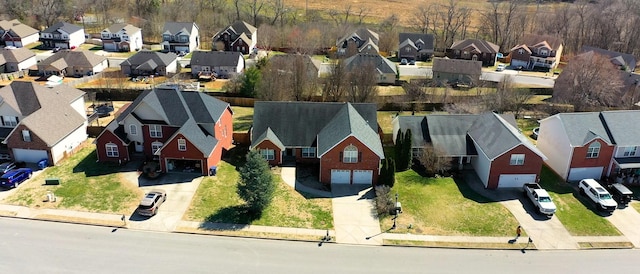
[363, 40]
[340, 138]
[624, 61]
[593, 144]
[297, 61]
[40, 122]
[146, 62]
[180, 37]
[76, 63]
[12, 60]
[537, 52]
[491, 143]
[385, 70]
[415, 46]
[62, 35]
[239, 36]
[16, 34]
[121, 37]
[181, 130]
[456, 71]
[476, 50]
[216, 64]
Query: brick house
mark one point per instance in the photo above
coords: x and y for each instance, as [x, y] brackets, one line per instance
[183, 131]
[476, 50]
[490, 143]
[16, 34]
[340, 138]
[541, 52]
[239, 37]
[362, 40]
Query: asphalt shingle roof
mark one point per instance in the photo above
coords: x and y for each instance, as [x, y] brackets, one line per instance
[66, 27]
[16, 55]
[481, 45]
[359, 60]
[17, 29]
[348, 122]
[459, 66]
[130, 29]
[144, 56]
[582, 127]
[216, 58]
[76, 58]
[622, 59]
[496, 134]
[624, 126]
[428, 39]
[174, 28]
[449, 133]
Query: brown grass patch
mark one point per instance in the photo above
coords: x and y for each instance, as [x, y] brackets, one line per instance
[459, 245]
[597, 245]
[8, 213]
[252, 234]
[78, 220]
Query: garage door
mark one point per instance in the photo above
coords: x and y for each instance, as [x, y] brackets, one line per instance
[29, 155]
[62, 45]
[577, 174]
[109, 46]
[16, 44]
[362, 176]
[515, 180]
[339, 176]
[185, 49]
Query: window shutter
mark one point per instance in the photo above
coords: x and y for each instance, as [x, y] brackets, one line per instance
[340, 157]
[359, 157]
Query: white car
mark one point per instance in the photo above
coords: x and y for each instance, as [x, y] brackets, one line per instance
[600, 196]
[501, 67]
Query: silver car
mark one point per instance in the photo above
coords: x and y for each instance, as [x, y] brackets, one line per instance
[151, 202]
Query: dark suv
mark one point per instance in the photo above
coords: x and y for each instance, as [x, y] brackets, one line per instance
[621, 193]
[151, 202]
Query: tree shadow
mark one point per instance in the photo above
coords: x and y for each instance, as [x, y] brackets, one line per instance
[238, 215]
[469, 192]
[551, 182]
[91, 167]
[236, 156]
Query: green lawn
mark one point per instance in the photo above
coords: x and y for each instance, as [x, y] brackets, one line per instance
[217, 201]
[85, 185]
[444, 206]
[579, 219]
[242, 118]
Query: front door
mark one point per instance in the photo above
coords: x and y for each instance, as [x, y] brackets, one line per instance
[139, 147]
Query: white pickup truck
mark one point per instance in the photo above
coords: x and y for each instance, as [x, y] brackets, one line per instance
[600, 196]
[540, 198]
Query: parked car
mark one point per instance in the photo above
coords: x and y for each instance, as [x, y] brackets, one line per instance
[5, 157]
[501, 67]
[621, 193]
[536, 132]
[151, 202]
[182, 54]
[56, 49]
[15, 177]
[412, 62]
[596, 193]
[403, 61]
[6, 167]
[540, 198]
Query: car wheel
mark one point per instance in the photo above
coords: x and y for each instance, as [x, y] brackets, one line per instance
[164, 199]
[538, 209]
[582, 192]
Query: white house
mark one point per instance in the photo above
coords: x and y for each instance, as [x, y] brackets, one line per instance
[62, 35]
[220, 63]
[121, 37]
[12, 60]
[178, 36]
[14, 33]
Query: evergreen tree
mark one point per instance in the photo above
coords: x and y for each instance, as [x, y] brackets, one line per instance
[256, 186]
[398, 146]
[407, 157]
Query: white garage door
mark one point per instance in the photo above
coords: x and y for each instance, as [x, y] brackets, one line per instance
[29, 155]
[339, 176]
[577, 174]
[62, 45]
[362, 176]
[16, 44]
[515, 180]
[182, 48]
[109, 46]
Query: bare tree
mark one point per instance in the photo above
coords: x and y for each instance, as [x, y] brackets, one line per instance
[414, 95]
[254, 9]
[500, 19]
[447, 22]
[47, 12]
[434, 160]
[335, 84]
[589, 82]
[363, 84]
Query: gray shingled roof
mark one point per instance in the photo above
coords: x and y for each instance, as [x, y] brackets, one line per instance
[627, 59]
[17, 29]
[216, 58]
[449, 133]
[458, 66]
[79, 58]
[297, 124]
[16, 55]
[532, 40]
[363, 34]
[482, 45]
[144, 56]
[130, 29]
[582, 127]
[496, 135]
[357, 61]
[66, 27]
[428, 39]
[269, 135]
[312, 64]
[48, 111]
[194, 113]
[348, 122]
[624, 126]
[175, 27]
[418, 126]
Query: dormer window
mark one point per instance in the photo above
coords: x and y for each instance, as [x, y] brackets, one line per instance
[520, 51]
[544, 52]
[26, 135]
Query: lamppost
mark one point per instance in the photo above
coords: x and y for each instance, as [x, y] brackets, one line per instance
[397, 209]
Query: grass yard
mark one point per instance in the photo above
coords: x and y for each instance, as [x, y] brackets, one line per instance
[577, 218]
[85, 186]
[390, 90]
[217, 201]
[385, 118]
[242, 118]
[444, 206]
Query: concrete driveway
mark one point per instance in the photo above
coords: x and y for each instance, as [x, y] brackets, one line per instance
[627, 220]
[180, 188]
[354, 216]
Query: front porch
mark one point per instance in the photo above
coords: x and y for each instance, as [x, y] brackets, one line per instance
[626, 170]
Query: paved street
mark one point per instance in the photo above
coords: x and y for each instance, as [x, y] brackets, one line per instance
[45, 247]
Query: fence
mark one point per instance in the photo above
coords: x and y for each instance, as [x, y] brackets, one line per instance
[14, 75]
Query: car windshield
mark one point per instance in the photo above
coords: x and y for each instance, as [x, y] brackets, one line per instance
[605, 196]
[143, 207]
[545, 199]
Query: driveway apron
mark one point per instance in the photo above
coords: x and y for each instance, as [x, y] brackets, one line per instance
[354, 216]
[627, 220]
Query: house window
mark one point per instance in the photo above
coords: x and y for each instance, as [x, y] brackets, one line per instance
[350, 154]
[594, 150]
[182, 144]
[112, 150]
[544, 52]
[308, 152]
[155, 146]
[630, 151]
[155, 131]
[133, 130]
[520, 51]
[26, 136]
[9, 121]
[268, 154]
[517, 160]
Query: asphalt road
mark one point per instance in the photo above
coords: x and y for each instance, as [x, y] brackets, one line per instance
[43, 247]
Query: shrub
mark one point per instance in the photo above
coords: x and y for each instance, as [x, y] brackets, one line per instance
[383, 201]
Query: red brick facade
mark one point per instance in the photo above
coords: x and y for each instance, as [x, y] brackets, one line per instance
[266, 144]
[501, 165]
[108, 137]
[367, 160]
[579, 157]
[15, 141]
